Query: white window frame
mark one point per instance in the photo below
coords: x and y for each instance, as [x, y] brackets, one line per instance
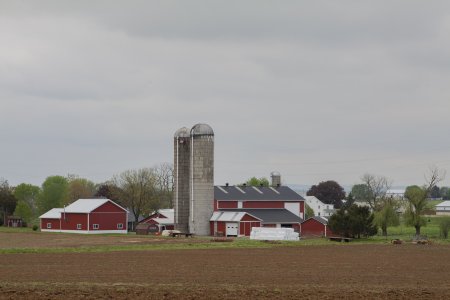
[119, 226]
[95, 226]
[79, 226]
[49, 225]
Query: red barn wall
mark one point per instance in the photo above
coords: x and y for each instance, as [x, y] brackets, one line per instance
[108, 221]
[263, 204]
[245, 228]
[108, 207]
[313, 227]
[227, 204]
[220, 227]
[69, 221]
[55, 223]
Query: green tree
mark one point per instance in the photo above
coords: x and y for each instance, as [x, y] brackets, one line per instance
[309, 212]
[24, 211]
[138, 191]
[356, 221]
[263, 181]
[373, 192]
[417, 198]
[444, 225]
[387, 215]
[54, 193]
[444, 193]
[80, 188]
[435, 192]
[26, 195]
[7, 200]
[329, 192]
[360, 192]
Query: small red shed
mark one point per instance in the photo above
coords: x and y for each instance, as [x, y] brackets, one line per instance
[315, 226]
[232, 223]
[163, 218]
[86, 216]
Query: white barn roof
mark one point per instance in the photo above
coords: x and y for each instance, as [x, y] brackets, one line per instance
[229, 216]
[167, 212]
[164, 221]
[87, 205]
[443, 204]
[54, 213]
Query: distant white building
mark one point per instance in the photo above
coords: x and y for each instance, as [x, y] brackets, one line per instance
[396, 193]
[443, 208]
[320, 209]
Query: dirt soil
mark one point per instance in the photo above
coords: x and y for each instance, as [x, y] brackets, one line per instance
[326, 272]
[10, 240]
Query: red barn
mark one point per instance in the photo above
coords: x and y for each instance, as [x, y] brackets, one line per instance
[86, 216]
[316, 226]
[163, 218]
[276, 206]
[233, 223]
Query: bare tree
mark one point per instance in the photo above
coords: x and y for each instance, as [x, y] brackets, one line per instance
[137, 190]
[164, 183]
[377, 187]
[417, 198]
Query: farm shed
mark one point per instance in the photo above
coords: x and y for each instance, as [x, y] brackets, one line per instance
[443, 208]
[146, 228]
[132, 219]
[315, 226]
[14, 221]
[163, 218]
[86, 216]
[233, 223]
[277, 218]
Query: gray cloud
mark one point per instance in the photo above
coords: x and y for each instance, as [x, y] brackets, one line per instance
[317, 90]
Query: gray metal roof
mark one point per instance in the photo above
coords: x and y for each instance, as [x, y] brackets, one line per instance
[269, 215]
[182, 132]
[281, 193]
[201, 129]
[319, 219]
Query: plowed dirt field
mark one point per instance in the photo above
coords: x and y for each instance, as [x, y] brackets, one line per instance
[327, 272]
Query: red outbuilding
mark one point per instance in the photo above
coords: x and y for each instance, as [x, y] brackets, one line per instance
[315, 226]
[163, 219]
[86, 216]
[230, 223]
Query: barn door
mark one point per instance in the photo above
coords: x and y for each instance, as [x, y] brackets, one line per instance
[231, 229]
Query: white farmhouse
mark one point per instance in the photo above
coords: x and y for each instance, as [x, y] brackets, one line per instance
[320, 209]
[443, 208]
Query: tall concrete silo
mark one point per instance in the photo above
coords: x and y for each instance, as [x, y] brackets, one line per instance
[202, 179]
[181, 168]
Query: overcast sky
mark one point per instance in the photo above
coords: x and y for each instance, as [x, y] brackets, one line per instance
[316, 90]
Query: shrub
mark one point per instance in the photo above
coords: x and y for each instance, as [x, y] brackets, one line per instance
[445, 227]
[35, 227]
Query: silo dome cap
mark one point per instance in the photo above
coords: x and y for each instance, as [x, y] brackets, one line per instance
[182, 132]
[202, 129]
[275, 173]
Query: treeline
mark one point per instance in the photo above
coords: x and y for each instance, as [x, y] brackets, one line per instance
[369, 205]
[141, 191]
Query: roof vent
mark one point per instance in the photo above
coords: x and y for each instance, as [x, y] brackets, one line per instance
[227, 184]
